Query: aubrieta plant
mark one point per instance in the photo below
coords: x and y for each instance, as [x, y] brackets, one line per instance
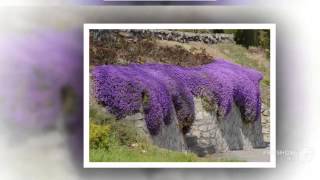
[161, 90]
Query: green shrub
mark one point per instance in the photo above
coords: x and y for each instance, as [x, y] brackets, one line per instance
[100, 136]
[105, 128]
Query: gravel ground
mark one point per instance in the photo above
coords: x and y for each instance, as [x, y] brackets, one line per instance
[254, 155]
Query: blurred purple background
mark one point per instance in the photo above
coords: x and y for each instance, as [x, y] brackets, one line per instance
[42, 63]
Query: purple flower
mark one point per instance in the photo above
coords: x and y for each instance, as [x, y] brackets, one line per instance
[159, 89]
[37, 67]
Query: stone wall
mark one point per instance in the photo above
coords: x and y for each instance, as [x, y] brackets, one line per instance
[169, 136]
[207, 134]
[265, 120]
[170, 35]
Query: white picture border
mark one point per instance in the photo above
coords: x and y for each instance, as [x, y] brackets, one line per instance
[270, 164]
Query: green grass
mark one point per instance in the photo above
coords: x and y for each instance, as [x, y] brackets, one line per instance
[239, 54]
[117, 141]
[148, 154]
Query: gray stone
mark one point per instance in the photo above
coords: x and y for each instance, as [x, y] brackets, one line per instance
[136, 116]
[202, 128]
[199, 114]
[169, 136]
[230, 133]
[266, 112]
[207, 134]
[183, 37]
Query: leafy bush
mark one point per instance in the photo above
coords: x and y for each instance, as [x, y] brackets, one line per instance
[105, 126]
[99, 136]
[258, 38]
[112, 134]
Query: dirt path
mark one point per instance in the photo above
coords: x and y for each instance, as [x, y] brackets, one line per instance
[254, 155]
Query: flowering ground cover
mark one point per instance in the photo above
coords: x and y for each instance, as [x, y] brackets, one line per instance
[159, 89]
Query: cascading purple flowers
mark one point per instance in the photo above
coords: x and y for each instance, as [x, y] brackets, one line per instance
[161, 89]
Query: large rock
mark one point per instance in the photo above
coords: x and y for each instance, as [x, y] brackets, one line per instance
[207, 134]
[169, 136]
